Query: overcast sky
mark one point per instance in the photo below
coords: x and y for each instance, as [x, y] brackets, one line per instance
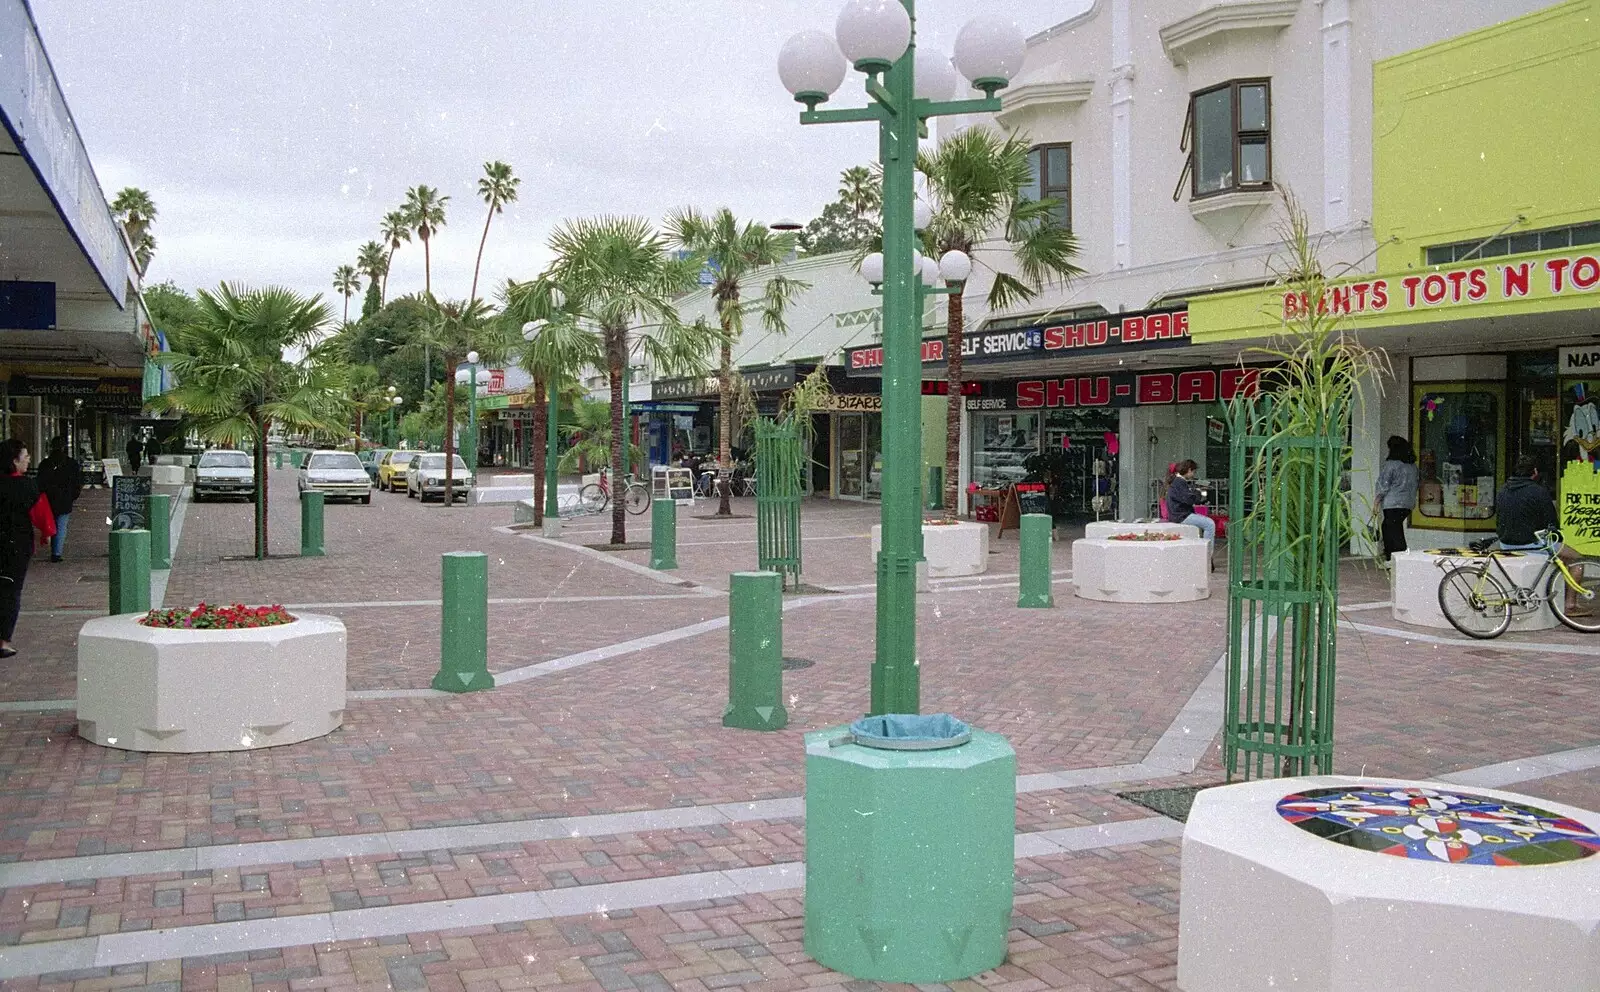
[275, 134]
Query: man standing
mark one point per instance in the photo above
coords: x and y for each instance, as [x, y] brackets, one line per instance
[60, 480]
[135, 452]
[1522, 508]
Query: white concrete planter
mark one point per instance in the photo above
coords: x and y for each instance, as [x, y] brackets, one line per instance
[1414, 582]
[154, 689]
[1141, 571]
[1431, 882]
[163, 475]
[1109, 528]
[961, 548]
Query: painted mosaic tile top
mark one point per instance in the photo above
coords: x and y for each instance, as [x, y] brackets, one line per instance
[1458, 828]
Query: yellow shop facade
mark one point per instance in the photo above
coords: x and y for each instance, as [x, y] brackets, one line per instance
[1484, 291]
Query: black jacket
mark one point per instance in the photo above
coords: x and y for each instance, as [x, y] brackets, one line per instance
[61, 480]
[18, 493]
[1182, 495]
[1523, 507]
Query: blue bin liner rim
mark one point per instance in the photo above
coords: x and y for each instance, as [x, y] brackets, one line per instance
[910, 731]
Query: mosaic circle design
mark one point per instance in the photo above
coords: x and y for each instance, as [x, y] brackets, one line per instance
[1429, 825]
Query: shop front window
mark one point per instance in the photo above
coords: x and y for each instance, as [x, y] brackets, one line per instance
[1457, 430]
[1002, 443]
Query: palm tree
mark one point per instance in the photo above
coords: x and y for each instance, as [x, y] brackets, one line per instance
[372, 261]
[976, 181]
[396, 228]
[346, 284]
[424, 210]
[555, 356]
[860, 191]
[144, 249]
[455, 328]
[136, 212]
[735, 252]
[620, 283]
[234, 384]
[497, 188]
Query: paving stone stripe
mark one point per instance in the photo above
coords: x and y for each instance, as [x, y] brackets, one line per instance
[1499, 644]
[514, 601]
[665, 578]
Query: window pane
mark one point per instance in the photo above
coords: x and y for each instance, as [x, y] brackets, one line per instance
[1586, 234]
[1442, 256]
[1213, 141]
[1058, 168]
[1559, 238]
[1523, 243]
[1058, 210]
[1253, 161]
[1031, 191]
[1252, 108]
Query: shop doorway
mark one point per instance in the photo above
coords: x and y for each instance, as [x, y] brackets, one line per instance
[860, 469]
[821, 464]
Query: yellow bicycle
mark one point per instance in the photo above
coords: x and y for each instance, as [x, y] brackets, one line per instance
[1480, 598]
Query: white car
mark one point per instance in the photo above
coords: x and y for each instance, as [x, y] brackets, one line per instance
[425, 478]
[224, 472]
[336, 475]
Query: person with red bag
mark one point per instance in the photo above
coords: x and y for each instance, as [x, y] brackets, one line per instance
[24, 512]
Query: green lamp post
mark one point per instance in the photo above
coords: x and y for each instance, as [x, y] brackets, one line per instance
[907, 85]
[394, 413]
[472, 414]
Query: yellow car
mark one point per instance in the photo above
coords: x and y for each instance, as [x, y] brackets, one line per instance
[392, 470]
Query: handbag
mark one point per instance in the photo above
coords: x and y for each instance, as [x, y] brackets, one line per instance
[42, 517]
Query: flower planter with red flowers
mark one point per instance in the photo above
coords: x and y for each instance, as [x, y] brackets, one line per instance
[210, 678]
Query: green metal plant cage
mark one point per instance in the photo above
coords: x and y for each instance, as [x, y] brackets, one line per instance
[780, 461]
[1287, 517]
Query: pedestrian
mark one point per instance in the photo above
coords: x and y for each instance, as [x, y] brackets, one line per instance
[1182, 495]
[1397, 493]
[22, 514]
[135, 452]
[61, 480]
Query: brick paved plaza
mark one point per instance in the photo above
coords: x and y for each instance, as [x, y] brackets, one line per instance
[589, 824]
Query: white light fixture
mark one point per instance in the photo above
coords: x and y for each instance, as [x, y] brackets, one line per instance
[935, 76]
[921, 215]
[783, 225]
[393, 390]
[955, 266]
[873, 34]
[531, 329]
[398, 400]
[472, 358]
[811, 67]
[872, 268]
[558, 299]
[929, 271]
[989, 52]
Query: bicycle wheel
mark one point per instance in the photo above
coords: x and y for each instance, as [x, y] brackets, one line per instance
[1585, 612]
[593, 499]
[1475, 601]
[637, 499]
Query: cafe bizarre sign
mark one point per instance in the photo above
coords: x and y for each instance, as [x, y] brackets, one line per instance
[1112, 333]
[1561, 276]
[1118, 389]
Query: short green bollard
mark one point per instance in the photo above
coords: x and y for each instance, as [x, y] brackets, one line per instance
[311, 525]
[664, 535]
[755, 653]
[297, 458]
[1035, 579]
[280, 459]
[130, 571]
[464, 632]
[158, 514]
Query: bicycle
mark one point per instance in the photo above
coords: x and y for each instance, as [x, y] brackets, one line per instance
[596, 496]
[1480, 603]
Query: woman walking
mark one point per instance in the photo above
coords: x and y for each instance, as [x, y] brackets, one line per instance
[20, 511]
[1397, 493]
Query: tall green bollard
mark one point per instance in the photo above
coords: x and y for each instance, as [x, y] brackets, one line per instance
[464, 633]
[280, 458]
[664, 535]
[1035, 580]
[158, 511]
[935, 493]
[130, 571]
[311, 525]
[755, 653]
[297, 458]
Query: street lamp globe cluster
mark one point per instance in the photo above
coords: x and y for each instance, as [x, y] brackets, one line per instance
[908, 84]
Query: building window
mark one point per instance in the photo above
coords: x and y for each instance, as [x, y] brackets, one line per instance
[1051, 169]
[1550, 239]
[1229, 137]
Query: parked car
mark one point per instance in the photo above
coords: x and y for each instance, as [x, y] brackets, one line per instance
[336, 475]
[425, 478]
[392, 470]
[224, 472]
[370, 459]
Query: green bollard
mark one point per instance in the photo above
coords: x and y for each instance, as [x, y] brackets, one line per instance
[755, 655]
[1035, 579]
[158, 514]
[664, 535]
[464, 634]
[311, 525]
[935, 493]
[280, 459]
[130, 571]
[297, 458]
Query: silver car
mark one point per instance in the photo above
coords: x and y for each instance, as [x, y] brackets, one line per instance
[336, 475]
[425, 478]
[223, 472]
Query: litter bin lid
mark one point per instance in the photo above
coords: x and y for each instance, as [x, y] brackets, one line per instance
[908, 732]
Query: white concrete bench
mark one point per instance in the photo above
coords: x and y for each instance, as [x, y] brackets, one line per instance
[1114, 571]
[1414, 585]
[1340, 884]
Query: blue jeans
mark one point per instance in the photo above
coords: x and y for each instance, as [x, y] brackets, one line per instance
[1208, 529]
[59, 542]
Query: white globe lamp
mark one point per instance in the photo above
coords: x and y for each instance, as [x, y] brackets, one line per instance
[873, 34]
[872, 268]
[472, 358]
[921, 215]
[811, 67]
[989, 52]
[531, 329]
[935, 76]
[930, 272]
[955, 267]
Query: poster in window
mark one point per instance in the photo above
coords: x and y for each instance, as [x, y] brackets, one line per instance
[1456, 429]
[1580, 464]
[1542, 413]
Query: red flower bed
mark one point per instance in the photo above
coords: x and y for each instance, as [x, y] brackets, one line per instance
[208, 617]
[1147, 536]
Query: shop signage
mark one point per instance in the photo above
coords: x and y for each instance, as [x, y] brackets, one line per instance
[130, 494]
[771, 379]
[681, 389]
[1583, 361]
[101, 394]
[1119, 389]
[851, 403]
[1561, 276]
[1153, 329]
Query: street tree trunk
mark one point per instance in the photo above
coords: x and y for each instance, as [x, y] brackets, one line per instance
[427, 266]
[952, 421]
[383, 294]
[725, 442]
[481, 242]
[449, 432]
[615, 349]
[541, 444]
